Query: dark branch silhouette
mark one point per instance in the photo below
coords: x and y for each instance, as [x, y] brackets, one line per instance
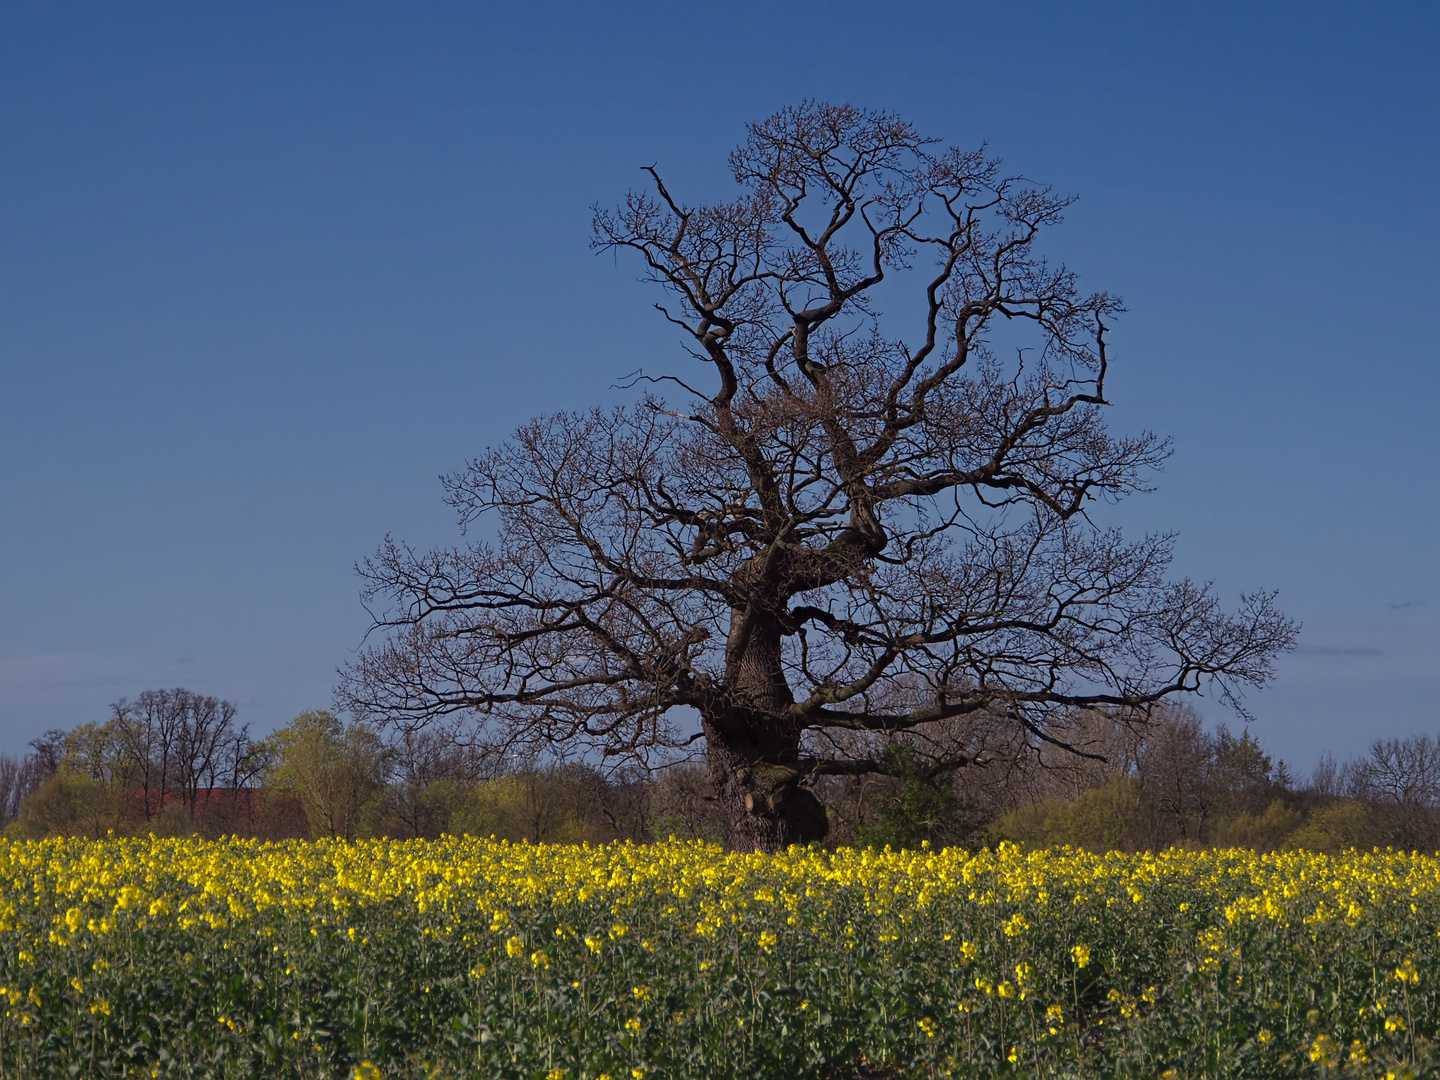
[858, 524]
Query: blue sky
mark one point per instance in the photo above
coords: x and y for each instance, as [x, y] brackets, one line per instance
[267, 270]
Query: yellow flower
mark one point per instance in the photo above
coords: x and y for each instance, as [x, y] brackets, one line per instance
[69, 907]
[1325, 1052]
[366, 1071]
[641, 993]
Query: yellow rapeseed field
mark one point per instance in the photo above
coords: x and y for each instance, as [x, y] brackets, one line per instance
[465, 957]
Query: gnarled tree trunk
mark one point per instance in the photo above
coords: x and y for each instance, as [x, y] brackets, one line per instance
[753, 752]
[762, 800]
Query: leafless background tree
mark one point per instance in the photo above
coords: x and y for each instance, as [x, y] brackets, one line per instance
[178, 743]
[842, 522]
[1400, 778]
[19, 779]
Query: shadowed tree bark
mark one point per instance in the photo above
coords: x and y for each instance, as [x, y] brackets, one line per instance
[836, 522]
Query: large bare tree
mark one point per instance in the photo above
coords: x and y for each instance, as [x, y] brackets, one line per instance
[835, 522]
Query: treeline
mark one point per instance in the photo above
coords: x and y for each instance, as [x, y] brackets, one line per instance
[1150, 785]
[174, 763]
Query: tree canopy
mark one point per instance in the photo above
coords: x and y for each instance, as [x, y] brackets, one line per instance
[857, 514]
